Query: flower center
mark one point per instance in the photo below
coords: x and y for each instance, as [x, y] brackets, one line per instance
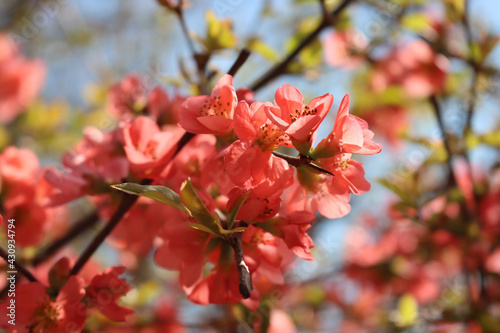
[342, 164]
[214, 107]
[270, 136]
[306, 111]
[46, 316]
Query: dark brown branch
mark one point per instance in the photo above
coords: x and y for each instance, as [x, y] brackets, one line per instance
[301, 161]
[243, 272]
[183, 141]
[127, 201]
[281, 68]
[20, 268]
[475, 67]
[86, 223]
[437, 111]
[242, 58]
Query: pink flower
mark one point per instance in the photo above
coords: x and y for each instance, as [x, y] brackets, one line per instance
[329, 195]
[280, 321]
[105, 290]
[350, 134]
[164, 109]
[297, 120]
[262, 173]
[32, 221]
[182, 248]
[127, 97]
[293, 228]
[95, 161]
[148, 148]
[138, 237]
[20, 80]
[253, 127]
[36, 312]
[210, 114]
[388, 121]
[344, 48]
[18, 165]
[191, 159]
[415, 66]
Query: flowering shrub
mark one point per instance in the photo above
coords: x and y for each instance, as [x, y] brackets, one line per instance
[204, 203]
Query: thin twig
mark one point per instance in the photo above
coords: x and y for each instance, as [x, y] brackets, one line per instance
[127, 201]
[86, 223]
[449, 154]
[242, 58]
[17, 265]
[243, 272]
[281, 68]
[301, 161]
[199, 58]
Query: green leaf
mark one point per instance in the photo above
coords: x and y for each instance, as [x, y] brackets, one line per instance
[201, 227]
[418, 22]
[232, 231]
[235, 207]
[492, 138]
[156, 192]
[219, 33]
[257, 45]
[198, 210]
[406, 196]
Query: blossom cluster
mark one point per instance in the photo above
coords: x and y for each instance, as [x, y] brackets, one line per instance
[251, 176]
[66, 303]
[241, 183]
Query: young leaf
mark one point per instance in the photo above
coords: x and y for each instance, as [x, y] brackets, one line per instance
[197, 208]
[235, 207]
[156, 192]
[219, 33]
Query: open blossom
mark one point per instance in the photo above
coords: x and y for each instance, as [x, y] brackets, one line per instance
[342, 48]
[249, 161]
[148, 148]
[24, 193]
[20, 80]
[138, 237]
[18, 165]
[388, 121]
[293, 230]
[127, 97]
[350, 134]
[94, 161]
[327, 194]
[299, 121]
[210, 114]
[415, 66]
[104, 292]
[36, 312]
[164, 108]
[330, 194]
[182, 248]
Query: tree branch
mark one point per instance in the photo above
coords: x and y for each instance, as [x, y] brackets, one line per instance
[17, 265]
[301, 161]
[437, 111]
[86, 223]
[242, 58]
[244, 273]
[127, 201]
[281, 68]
